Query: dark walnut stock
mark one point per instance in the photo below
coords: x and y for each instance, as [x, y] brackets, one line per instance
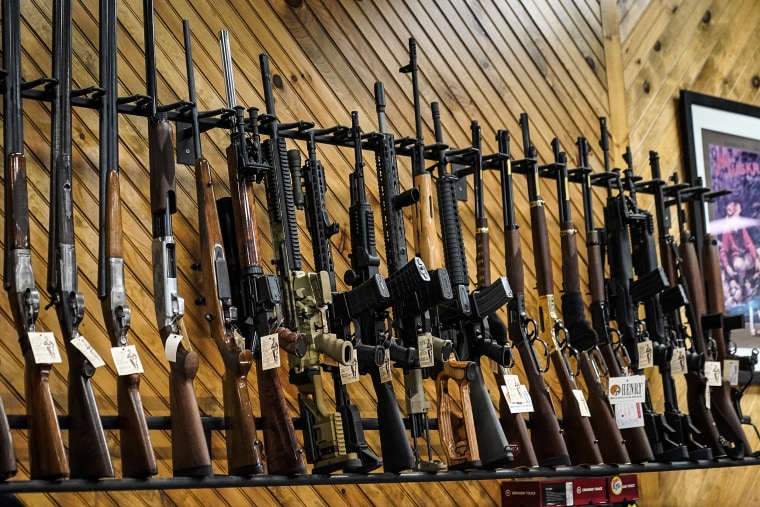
[243, 446]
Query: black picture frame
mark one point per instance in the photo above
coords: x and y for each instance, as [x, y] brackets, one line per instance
[721, 148]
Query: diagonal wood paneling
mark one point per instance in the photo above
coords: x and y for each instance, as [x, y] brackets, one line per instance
[482, 60]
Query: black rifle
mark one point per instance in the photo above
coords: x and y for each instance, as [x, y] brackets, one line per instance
[47, 457]
[546, 436]
[578, 433]
[369, 296]
[88, 449]
[612, 350]
[306, 297]
[256, 294]
[190, 453]
[411, 308]
[137, 458]
[582, 336]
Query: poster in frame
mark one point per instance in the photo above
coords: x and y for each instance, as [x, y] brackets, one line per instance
[721, 143]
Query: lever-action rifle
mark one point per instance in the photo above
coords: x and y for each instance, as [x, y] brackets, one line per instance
[306, 297]
[137, 458]
[47, 457]
[582, 336]
[256, 295]
[243, 446]
[411, 309]
[609, 344]
[88, 449]
[578, 433]
[190, 453]
[546, 436]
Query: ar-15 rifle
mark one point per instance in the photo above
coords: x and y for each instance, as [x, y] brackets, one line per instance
[243, 446]
[47, 457]
[255, 294]
[306, 297]
[546, 435]
[581, 335]
[190, 453]
[370, 296]
[137, 459]
[612, 350]
[667, 332]
[665, 431]
[88, 449]
[411, 309]
[578, 433]
[700, 410]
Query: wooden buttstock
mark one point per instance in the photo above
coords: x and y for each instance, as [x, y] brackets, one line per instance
[243, 446]
[190, 453]
[701, 416]
[425, 231]
[457, 433]
[611, 442]
[283, 453]
[516, 430]
[137, 458]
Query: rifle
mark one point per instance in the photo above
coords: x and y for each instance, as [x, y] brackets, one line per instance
[243, 446]
[190, 453]
[47, 457]
[371, 295]
[256, 295]
[88, 449]
[373, 324]
[582, 336]
[411, 309]
[306, 297]
[667, 432]
[473, 328]
[612, 350]
[137, 458]
[578, 433]
[702, 413]
[549, 447]
[668, 332]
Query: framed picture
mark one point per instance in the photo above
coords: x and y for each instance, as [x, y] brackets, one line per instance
[721, 142]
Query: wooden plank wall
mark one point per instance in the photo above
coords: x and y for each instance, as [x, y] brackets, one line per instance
[482, 60]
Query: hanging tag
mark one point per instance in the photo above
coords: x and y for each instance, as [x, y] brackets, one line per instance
[582, 405]
[731, 371]
[646, 354]
[270, 351]
[517, 397]
[713, 374]
[44, 348]
[83, 346]
[629, 415]
[385, 368]
[171, 346]
[678, 362]
[350, 372]
[425, 350]
[126, 360]
[630, 389]
[707, 397]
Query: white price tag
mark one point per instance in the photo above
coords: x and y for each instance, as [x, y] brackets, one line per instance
[350, 372]
[171, 346]
[731, 371]
[713, 374]
[517, 396]
[707, 397]
[631, 389]
[582, 405]
[646, 354]
[425, 350]
[44, 348]
[629, 415]
[270, 352]
[678, 362]
[83, 346]
[126, 360]
[385, 368]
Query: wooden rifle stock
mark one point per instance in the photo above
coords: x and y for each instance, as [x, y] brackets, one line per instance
[461, 450]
